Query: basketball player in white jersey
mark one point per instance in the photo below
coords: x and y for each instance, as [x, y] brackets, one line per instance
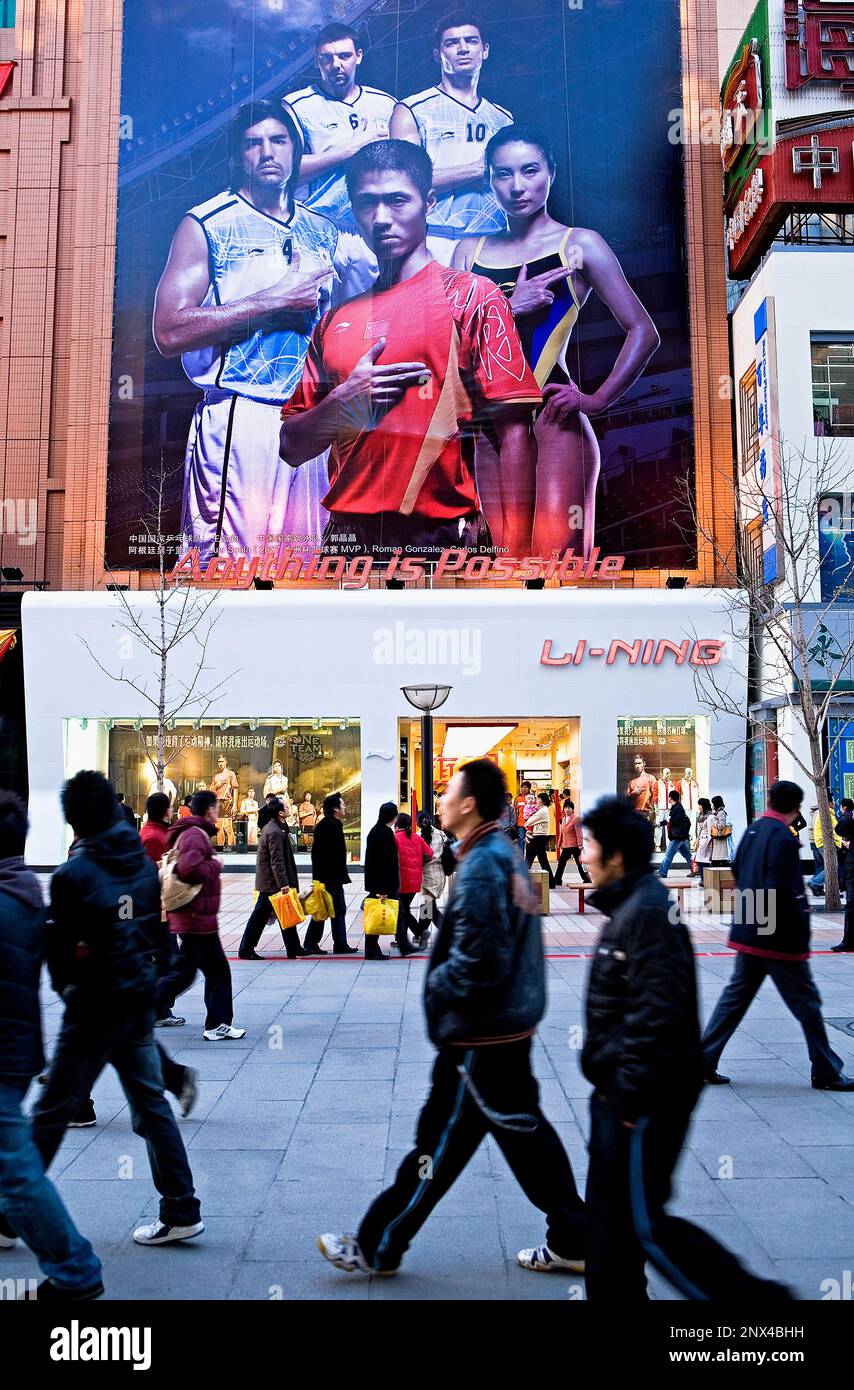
[338, 117]
[454, 124]
[249, 274]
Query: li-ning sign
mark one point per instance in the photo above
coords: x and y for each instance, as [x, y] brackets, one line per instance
[644, 651]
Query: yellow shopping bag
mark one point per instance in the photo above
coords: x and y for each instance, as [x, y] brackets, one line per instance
[318, 902]
[288, 908]
[380, 916]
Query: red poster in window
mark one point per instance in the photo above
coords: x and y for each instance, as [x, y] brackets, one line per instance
[6, 76]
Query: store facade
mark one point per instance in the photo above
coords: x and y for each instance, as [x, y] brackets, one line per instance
[591, 691]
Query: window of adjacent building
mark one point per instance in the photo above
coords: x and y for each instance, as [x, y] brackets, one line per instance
[7, 14]
[832, 357]
[749, 420]
[751, 552]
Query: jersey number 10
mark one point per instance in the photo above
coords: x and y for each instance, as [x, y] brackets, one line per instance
[475, 132]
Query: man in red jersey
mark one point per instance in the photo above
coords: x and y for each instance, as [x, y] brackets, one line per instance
[398, 380]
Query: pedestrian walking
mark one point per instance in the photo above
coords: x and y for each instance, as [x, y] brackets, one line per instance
[196, 923]
[642, 1056]
[275, 872]
[771, 933]
[382, 868]
[537, 837]
[720, 834]
[329, 867]
[678, 834]
[570, 843]
[845, 830]
[433, 876]
[413, 853]
[101, 945]
[816, 883]
[30, 1206]
[521, 806]
[484, 996]
[703, 837]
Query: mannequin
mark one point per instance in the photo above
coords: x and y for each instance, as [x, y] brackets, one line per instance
[249, 808]
[224, 784]
[690, 791]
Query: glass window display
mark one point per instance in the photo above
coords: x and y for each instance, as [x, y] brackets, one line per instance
[301, 760]
[658, 756]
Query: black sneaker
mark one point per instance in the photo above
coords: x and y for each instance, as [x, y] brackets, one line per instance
[848, 950]
[85, 1117]
[52, 1293]
[158, 1233]
[714, 1078]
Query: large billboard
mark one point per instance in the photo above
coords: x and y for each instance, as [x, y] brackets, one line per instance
[401, 291]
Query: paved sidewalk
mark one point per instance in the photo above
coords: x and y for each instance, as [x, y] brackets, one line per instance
[299, 1126]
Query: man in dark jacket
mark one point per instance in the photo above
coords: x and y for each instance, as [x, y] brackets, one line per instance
[642, 1055]
[382, 867]
[679, 835]
[329, 867]
[484, 996]
[771, 933]
[275, 872]
[197, 922]
[845, 830]
[102, 939]
[28, 1199]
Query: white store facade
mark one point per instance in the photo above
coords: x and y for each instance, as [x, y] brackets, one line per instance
[568, 688]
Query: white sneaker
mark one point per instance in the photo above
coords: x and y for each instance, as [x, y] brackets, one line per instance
[345, 1253]
[545, 1261]
[224, 1033]
[8, 1242]
[160, 1234]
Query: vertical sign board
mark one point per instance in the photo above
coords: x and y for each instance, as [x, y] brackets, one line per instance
[768, 465]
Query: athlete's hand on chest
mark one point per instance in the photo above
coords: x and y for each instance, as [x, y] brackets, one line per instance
[373, 388]
[296, 291]
[537, 293]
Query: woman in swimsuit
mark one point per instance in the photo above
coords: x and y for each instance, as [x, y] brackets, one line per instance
[548, 271]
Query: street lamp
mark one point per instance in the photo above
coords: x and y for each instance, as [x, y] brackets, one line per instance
[426, 699]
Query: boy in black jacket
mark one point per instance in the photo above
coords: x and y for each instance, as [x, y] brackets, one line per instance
[642, 1055]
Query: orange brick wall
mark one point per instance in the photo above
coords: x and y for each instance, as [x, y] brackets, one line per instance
[58, 168]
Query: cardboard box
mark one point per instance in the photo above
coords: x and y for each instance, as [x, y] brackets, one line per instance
[718, 888]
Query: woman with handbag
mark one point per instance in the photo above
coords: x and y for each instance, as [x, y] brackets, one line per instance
[413, 853]
[382, 869]
[432, 878]
[703, 840]
[570, 843]
[720, 831]
[275, 872]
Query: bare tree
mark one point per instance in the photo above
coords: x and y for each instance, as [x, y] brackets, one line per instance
[780, 625]
[181, 614]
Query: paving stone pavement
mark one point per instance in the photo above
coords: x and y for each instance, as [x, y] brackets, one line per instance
[299, 1125]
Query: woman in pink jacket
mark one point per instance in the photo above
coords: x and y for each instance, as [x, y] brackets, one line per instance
[413, 853]
[570, 843]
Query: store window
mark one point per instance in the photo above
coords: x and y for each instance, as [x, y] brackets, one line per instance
[832, 356]
[303, 759]
[658, 756]
[749, 420]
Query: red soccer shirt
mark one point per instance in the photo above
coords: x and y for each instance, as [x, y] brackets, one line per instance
[418, 457]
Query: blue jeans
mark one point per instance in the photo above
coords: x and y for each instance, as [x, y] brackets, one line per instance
[817, 880]
[118, 1032]
[31, 1203]
[520, 838]
[675, 847]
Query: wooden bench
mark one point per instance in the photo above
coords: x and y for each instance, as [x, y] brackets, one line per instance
[679, 886]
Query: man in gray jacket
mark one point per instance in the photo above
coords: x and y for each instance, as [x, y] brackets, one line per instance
[484, 996]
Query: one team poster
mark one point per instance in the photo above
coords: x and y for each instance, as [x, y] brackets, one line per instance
[401, 291]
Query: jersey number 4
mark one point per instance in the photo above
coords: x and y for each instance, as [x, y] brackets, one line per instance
[475, 132]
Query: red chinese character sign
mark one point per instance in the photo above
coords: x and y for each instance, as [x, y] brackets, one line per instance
[819, 39]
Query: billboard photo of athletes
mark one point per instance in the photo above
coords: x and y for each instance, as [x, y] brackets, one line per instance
[401, 290]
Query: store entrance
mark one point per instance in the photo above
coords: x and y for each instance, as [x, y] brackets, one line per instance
[544, 752]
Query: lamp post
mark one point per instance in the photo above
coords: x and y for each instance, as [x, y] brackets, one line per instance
[426, 699]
